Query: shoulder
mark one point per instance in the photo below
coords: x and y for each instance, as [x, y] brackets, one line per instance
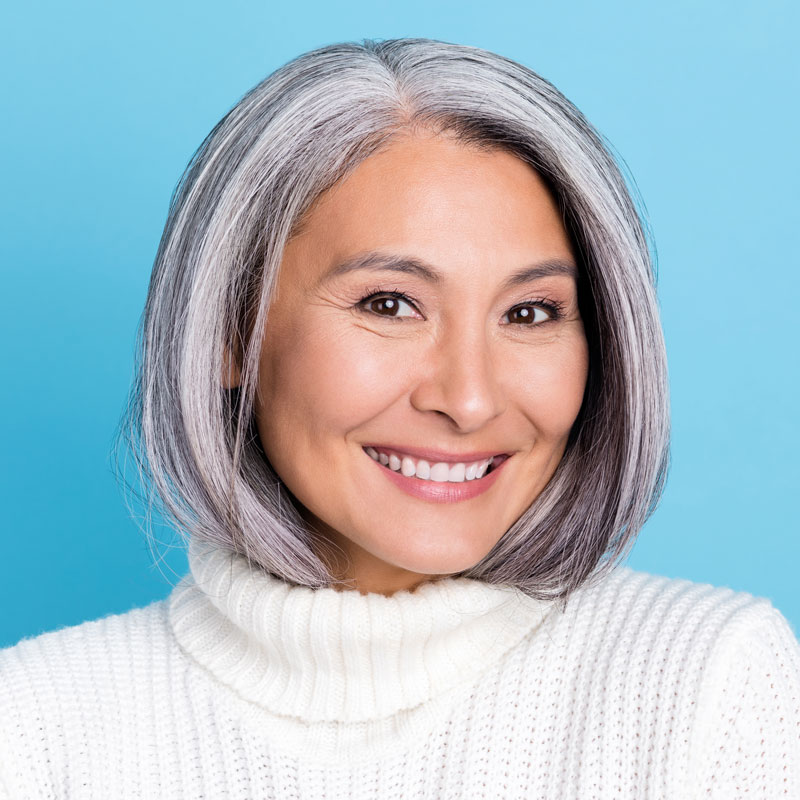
[696, 685]
[79, 660]
[651, 637]
[68, 689]
[628, 603]
[709, 674]
[121, 641]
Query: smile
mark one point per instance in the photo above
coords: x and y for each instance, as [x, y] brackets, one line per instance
[445, 482]
[438, 472]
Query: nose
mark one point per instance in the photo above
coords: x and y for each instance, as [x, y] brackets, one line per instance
[459, 376]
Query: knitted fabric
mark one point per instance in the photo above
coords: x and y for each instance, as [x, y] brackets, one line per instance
[239, 685]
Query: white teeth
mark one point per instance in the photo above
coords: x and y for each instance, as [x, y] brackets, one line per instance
[440, 472]
[457, 473]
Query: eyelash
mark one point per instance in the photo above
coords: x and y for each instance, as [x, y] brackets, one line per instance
[553, 307]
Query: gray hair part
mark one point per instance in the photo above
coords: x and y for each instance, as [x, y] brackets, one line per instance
[242, 197]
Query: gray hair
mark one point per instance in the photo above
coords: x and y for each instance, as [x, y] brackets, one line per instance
[243, 196]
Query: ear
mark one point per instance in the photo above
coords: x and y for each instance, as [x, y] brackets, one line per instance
[231, 371]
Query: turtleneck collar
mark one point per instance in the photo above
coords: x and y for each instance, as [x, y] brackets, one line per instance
[323, 655]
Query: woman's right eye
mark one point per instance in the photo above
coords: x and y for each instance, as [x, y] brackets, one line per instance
[389, 301]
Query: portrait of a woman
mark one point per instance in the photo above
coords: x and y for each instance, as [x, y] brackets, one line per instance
[403, 389]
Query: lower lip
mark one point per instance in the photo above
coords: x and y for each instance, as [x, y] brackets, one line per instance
[441, 491]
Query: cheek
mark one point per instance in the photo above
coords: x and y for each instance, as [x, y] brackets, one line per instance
[551, 383]
[335, 378]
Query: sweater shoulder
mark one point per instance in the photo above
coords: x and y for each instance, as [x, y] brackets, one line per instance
[717, 667]
[90, 669]
[628, 620]
[112, 640]
[643, 602]
[69, 694]
[653, 669]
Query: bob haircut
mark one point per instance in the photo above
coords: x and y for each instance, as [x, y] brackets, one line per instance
[242, 197]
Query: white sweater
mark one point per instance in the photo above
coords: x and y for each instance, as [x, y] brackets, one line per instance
[239, 685]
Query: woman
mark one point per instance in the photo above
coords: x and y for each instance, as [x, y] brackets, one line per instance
[403, 387]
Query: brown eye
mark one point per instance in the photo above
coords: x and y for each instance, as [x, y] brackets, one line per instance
[385, 305]
[528, 314]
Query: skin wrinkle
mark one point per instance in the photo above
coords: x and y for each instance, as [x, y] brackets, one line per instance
[332, 378]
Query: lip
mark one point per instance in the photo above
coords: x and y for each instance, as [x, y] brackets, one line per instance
[437, 456]
[444, 491]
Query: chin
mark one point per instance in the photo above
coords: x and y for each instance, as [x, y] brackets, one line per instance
[437, 565]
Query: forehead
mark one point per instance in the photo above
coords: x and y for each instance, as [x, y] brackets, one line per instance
[447, 203]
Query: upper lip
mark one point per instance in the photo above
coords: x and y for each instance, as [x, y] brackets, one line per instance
[437, 456]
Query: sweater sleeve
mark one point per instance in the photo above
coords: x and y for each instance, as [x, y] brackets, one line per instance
[747, 736]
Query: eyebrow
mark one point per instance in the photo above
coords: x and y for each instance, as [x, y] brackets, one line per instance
[375, 261]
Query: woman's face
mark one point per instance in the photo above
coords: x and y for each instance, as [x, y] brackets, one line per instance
[465, 363]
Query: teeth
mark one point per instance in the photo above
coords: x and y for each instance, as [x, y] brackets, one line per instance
[422, 470]
[440, 472]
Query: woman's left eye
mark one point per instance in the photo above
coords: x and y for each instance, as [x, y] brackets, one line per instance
[530, 313]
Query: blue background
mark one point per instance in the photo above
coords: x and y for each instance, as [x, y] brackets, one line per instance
[105, 103]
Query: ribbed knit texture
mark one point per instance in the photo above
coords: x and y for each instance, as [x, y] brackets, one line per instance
[239, 685]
